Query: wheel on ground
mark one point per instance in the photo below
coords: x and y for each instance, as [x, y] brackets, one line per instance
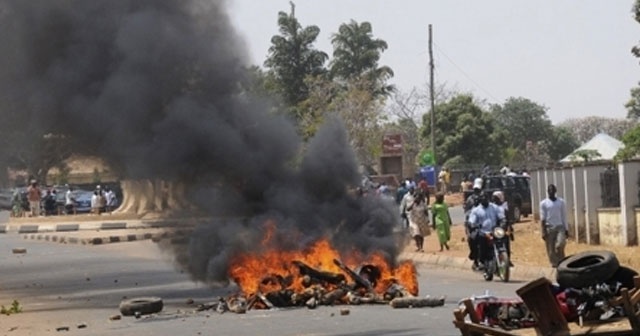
[141, 305]
[586, 269]
[503, 266]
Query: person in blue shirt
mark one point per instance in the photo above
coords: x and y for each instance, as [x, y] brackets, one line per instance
[484, 218]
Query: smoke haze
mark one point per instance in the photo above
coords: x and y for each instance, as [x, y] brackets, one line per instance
[153, 87]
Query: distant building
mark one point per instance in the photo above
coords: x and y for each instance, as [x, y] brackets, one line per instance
[606, 146]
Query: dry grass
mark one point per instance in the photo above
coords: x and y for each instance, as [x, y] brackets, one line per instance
[528, 247]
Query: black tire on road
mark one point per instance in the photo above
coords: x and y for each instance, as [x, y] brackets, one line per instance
[141, 305]
[586, 269]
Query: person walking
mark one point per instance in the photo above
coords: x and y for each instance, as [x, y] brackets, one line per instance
[405, 206]
[554, 227]
[441, 221]
[419, 220]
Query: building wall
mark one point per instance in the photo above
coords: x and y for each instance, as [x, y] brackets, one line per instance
[589, 221]
[611, 233]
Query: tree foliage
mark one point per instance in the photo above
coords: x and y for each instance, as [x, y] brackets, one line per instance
[355, 57]
[561, 142]
[360, 111]
[522, 120]
[292, 58]
[631, 141]
[465, 133]
[584, 129]
[633, 105]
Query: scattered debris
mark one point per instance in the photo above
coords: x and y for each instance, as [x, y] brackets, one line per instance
[13, 309]
[416, 302]
[142, 306]
[19, 250]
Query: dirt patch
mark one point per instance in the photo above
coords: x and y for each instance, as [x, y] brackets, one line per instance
[528, 247]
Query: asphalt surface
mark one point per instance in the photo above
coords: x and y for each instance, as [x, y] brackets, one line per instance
[79, 287]
[105, 231]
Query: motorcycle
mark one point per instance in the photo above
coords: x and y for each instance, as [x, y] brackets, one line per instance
[498, 264]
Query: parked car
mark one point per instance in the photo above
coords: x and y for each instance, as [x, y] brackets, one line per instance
[516, 190]
[6, 199]
[83, 200]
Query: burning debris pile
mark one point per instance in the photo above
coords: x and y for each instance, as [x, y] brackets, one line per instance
[318, 276]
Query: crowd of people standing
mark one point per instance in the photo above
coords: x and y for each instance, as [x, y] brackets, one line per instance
[35, 201]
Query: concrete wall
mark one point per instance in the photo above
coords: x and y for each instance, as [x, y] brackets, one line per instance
[611, 233]
[535, 185]
[566, 191]
[592, 200]
[579, 207]
[628, 172]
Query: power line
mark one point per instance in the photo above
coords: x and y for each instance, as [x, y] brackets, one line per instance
[465, 74]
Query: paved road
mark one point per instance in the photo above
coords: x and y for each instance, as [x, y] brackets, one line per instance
[67, 285]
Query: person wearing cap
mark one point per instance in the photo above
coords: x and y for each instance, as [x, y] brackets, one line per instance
[554, 226]
[471, 232]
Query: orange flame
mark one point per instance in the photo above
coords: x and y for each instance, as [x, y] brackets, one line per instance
[274, 270]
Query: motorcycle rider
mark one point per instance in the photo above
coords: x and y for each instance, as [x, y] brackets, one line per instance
[484, 218]
[497, 198]
[472, 234]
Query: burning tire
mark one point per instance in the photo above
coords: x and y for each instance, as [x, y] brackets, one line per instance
[142, 306]
[586, 269]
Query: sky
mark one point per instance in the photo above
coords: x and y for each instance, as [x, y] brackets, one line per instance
[571, 56]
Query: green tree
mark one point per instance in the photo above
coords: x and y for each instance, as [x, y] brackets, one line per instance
[584, 129]
[561, 143]
[631, 141]
[356, 54]
[465, 134]
[292, 58]
[357, 107]
[523, 120]
[633, 105]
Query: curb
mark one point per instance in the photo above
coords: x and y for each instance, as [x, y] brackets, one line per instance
[446, 261]
[97, 225]
[90, 240]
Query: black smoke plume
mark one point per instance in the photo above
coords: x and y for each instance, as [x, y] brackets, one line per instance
[154, 88]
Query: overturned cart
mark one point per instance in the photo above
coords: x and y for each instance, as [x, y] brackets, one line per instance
[598, 307]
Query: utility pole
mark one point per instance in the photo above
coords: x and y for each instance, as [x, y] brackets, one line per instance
[432, 98]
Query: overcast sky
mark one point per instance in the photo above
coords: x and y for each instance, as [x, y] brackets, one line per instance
[572, 56]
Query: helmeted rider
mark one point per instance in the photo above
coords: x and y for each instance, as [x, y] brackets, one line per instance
[497, 198]
[484, 218]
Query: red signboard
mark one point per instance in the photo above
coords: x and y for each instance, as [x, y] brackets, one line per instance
[392, 144]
